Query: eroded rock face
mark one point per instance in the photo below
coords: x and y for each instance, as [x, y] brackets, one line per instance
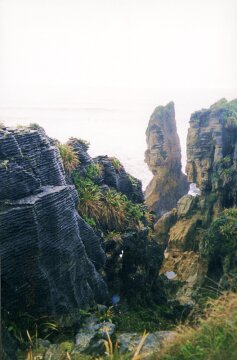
[212, 150]
[212, 165]
[163, 157]
[133, 256]
[50, 256]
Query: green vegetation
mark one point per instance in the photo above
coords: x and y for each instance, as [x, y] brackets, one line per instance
[229, 114]
[215, 337]
[93, 171]
[81, 141]
[34, 126]
[108, 209]
[114, 210]
[221, 237]
[114, 236]
[219, 104]
[116, 163]
[140, 318]
[69, 157]
[27, 329]
[225, 171]
[90, 205]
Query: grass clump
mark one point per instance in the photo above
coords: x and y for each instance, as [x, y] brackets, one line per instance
[83, 142]
[215, 337]
[69, 157]
[116, 163]
[34, 126]
[108, 209]
[90, 205]
[114, 236]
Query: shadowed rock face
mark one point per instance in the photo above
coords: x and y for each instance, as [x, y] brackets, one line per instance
[50, 256]
[163, 157]
[212, 165]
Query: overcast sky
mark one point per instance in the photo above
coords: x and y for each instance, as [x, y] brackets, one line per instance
[51, 48]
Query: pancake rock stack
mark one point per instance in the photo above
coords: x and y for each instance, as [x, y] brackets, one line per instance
[163, 157]
[192, 254]
[50, 256]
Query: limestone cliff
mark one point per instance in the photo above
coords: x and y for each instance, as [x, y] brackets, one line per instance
[186, 232]
[112, 173]
[163, 157]
[50, 256]
[133, 256]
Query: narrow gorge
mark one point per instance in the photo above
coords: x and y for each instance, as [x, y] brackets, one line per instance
[84, 248]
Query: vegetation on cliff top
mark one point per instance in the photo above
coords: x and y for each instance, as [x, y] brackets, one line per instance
[105, 208]
[69, 157]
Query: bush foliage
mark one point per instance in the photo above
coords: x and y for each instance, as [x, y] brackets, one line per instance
[108, 208]
[221, 237]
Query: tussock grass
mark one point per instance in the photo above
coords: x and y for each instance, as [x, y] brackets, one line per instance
[69, 157]
[214, 338]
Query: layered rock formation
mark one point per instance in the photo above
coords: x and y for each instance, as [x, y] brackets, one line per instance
[212, 151]
[163, 157]
[212, 165]
[115, 176]
[50, 256]
[133, 257]
[112, 172]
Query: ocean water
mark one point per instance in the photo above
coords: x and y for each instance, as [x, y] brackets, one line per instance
[114, 122]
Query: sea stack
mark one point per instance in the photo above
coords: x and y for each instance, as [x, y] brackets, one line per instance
[163, 157]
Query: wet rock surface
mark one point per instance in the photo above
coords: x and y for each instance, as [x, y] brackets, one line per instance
[163, 157]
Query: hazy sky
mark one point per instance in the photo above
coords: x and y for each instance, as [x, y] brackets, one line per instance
[52, 50]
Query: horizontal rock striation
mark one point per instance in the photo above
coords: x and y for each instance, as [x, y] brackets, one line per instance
[212, 165]
[163, 157]
[50, 256]
[212, 150]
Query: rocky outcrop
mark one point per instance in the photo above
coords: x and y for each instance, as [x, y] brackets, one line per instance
[212, 165]
[133, 256]
[50, 256]
[163, 157]
[212, 151]
[114, 175]
[111, 172]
